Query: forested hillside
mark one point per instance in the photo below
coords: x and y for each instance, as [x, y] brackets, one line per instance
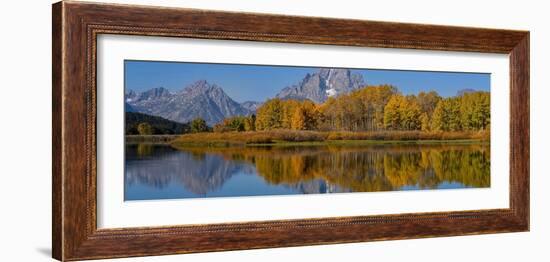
[143, 124]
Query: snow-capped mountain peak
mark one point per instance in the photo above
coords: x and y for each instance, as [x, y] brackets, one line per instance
[325, 83]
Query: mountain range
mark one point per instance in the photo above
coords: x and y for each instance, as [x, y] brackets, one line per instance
[201, 99]
[209, 101]
[464, 91]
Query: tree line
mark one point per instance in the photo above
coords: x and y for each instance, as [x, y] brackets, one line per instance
[143, 124]
[373, 108]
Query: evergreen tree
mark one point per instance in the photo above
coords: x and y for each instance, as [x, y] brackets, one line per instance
[198, 125]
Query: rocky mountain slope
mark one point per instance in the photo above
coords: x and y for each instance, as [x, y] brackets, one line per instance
[201, 99]
[319, 86]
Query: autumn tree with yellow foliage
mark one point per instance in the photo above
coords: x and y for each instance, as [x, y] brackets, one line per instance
[372, 108]
[402, 113]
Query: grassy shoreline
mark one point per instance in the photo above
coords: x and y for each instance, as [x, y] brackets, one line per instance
[371, 142]
[316, 138]
[153, 139]
[346, 143]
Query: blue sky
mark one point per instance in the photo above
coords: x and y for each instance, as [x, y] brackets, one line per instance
[259, 82]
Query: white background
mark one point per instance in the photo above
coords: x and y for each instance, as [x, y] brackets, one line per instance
[25, 105]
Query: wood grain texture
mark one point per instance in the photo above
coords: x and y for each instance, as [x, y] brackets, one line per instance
[57, 199]
[519, 129]
[76, 26]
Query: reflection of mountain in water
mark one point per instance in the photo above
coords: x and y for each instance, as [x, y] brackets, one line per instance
[311, 169]
[368, 168]
[199, 173]
[318, 186]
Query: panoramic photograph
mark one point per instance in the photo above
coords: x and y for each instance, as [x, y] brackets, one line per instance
[202, 130]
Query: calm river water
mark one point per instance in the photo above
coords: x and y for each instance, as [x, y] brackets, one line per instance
[162, 172]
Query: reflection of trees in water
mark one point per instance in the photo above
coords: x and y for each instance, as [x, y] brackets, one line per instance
[313, 169]
[430, 168]
[365, 169]
[144, 150]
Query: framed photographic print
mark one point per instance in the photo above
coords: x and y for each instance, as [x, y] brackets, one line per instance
[182, 130]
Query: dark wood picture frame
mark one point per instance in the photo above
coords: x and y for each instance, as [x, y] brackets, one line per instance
[76, 26]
